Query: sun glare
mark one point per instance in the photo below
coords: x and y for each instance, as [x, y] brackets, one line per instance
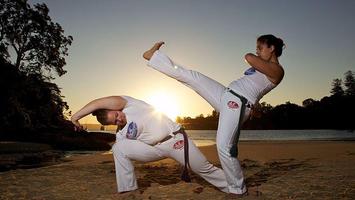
[165, 104]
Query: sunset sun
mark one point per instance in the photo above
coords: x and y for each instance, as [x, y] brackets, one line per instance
[165, 104]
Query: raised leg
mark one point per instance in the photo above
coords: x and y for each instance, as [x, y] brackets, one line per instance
[206, 87]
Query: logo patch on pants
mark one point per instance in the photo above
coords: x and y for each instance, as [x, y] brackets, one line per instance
[179, 144]
[233, 105]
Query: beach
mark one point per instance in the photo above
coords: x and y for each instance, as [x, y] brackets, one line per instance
[273, 170]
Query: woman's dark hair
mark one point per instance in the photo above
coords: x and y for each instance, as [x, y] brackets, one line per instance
[271, 40]
[101, 116]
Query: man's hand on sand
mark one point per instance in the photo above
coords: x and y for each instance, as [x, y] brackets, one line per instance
[77, 126]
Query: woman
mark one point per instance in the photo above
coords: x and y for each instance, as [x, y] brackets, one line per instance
[234, 102]
[146, 136]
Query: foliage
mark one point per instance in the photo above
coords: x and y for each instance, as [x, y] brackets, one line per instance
[209, 122]
[31, 46]
[337, 88]
[349, 83]
[28, 102]
[38, 43]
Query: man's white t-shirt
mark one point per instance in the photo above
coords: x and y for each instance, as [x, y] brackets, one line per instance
[144, 123]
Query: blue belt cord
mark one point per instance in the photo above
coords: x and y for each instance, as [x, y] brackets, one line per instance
[234, 149]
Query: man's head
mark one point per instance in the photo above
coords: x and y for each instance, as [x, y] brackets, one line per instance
[110, 117]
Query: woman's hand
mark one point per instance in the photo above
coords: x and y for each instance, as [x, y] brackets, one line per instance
[256, 111]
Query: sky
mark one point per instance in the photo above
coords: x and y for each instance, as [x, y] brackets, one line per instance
[212, 37]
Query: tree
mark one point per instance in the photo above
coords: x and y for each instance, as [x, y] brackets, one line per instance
[179, 119]
[215, 114]
[31, 47]
[308, 102]
[337, 89]
[27, 102]
[200, 116]
[39, 44]
[265, 107]
[349, 83]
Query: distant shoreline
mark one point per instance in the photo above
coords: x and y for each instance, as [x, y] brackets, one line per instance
[275, 135]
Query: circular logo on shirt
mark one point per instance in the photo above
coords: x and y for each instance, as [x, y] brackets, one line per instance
[249, 71]
[132, 131]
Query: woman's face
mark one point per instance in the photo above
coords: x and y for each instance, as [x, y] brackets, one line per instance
[263, 51]
[116, 118]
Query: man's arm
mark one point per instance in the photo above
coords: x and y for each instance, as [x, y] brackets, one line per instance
[107, 103]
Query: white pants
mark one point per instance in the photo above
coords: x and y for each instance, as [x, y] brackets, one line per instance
[218, 96]
[125, 150]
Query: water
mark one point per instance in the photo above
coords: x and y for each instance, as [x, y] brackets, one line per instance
[208, 137]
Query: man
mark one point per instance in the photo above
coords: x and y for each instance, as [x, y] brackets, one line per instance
[146, 136]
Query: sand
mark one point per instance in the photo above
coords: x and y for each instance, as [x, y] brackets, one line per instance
[273, 170]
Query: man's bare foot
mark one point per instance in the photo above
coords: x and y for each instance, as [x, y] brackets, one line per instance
[254, 191]
[251, 191]
[236, 196]
[148, 54]
[134, 193]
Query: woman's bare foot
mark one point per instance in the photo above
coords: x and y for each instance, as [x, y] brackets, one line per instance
[148, 54]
